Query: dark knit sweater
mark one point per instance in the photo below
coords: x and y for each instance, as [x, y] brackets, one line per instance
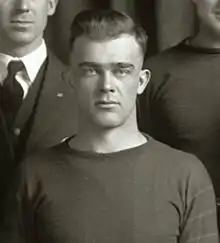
[147, 194]
[181, 106]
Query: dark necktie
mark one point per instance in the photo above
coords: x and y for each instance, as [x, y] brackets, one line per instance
[11, 92]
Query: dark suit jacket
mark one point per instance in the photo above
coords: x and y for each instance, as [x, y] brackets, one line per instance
[56, 113]
[54, 119]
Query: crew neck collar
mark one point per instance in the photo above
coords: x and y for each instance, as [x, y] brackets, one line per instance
[186, 46]
[91, 154]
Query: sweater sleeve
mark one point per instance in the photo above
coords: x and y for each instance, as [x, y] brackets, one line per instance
[199, 223]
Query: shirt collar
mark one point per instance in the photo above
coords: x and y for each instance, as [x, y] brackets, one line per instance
[32, 61]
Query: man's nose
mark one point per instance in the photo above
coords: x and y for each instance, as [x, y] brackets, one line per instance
[22, 5]
[107, 83]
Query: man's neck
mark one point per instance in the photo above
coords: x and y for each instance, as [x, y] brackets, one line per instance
[107, 141]
[206, 39]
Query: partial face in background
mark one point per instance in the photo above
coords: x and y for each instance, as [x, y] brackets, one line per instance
[209, 14]
[22, 22]
[107, 77]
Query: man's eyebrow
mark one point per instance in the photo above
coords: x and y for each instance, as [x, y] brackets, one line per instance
[124, 65]
[89, 64]
[98, 65]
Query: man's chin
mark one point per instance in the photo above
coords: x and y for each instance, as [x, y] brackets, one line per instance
[21, 38]
[107, 124]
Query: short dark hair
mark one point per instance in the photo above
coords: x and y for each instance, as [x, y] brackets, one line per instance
[106, 24]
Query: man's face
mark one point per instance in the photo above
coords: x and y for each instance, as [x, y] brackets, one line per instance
[209, 14]
[22, 22]
[107, 77]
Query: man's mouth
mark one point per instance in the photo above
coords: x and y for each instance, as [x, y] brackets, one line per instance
[106, 103]
[21, 22]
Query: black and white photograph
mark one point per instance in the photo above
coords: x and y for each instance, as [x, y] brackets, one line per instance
[109, 121]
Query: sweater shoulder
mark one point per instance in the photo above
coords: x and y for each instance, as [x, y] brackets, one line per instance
[164, 59]
[162, 64]
[43, 161]
[177, 163]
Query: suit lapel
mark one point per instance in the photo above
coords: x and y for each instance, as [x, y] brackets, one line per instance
[28, 104]
[50, 102]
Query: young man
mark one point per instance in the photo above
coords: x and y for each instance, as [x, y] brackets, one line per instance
[182, 102]
[110, 182]
[34, 99]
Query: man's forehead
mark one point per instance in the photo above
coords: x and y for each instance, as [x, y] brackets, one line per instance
[122, 40]
[122, 49]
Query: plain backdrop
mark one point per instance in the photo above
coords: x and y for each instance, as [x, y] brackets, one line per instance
[167, 22]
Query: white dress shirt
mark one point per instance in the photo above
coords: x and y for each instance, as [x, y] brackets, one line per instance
[32, 62]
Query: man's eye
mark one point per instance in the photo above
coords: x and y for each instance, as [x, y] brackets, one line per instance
[122, 71]
[89, 71]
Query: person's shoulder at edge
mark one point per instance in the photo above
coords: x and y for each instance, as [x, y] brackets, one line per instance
[44, 160]
[58, 68]
[162, 59]
[177, 162]
[161, 64]
[189, 187]
[56, 62]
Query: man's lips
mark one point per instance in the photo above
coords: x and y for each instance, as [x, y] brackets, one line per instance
[21, 22]
[106, 103]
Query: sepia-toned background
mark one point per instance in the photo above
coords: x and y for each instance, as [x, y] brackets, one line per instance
[167, 22]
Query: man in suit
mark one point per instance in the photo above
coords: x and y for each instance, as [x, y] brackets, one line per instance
[35, 99]
[181, 106]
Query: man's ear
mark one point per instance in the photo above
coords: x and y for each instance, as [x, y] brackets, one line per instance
[144, 78]
[52, 4]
